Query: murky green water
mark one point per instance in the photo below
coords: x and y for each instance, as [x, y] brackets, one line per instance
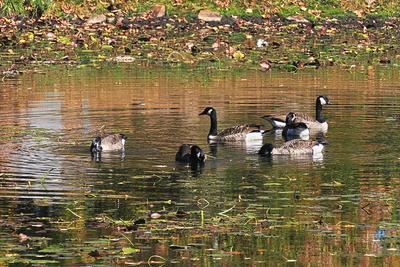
[58, 207]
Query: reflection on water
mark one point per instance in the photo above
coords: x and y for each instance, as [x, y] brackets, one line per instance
[339, 209]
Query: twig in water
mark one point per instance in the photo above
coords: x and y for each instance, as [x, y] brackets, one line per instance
[127, 238]
[345, 222]
[222, 213]
[201, 202]
[176, 53]
[43, 177]
[159, 179]
[209, 156]
[228, 210]
[68, 209]
[155, 256]
[364, 208]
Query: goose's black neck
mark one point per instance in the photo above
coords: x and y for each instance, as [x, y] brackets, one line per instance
[318, 112]
[213, 127]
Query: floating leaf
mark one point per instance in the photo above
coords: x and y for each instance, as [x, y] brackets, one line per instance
[52, 249]
[107, 47]
[129, 250]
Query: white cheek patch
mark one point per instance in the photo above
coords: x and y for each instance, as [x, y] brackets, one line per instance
[209, 112]
[322, 101]
[198, 154]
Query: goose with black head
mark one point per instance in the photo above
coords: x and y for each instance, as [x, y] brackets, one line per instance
[317, 123]
[245, 132]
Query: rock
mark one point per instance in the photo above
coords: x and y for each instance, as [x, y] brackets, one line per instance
[265, 66]
[51, 36]
[111, 20]
[384, 60]
[155, 215]
[158, 11]
[122, 59]
[261, 43]
[97, 19]
[298, 19]
[94, 253]
[123, 23]
[208, 15]
[23, 237]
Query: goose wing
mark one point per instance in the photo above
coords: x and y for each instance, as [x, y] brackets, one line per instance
[304, 117]
[281, 117]
[277, 121]
[113, 139]
[297, 146]
[238, 132]
[113, 142]
[183, 153]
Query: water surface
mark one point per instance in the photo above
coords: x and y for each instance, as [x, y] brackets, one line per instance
[237, 210]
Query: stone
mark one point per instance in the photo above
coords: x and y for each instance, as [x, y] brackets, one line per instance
[209, 16]
[158, 11]
[97, 19]
[265, 66]
[111, 20]
[298, 19]
[51, 36]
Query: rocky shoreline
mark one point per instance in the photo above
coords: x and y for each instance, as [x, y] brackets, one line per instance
[206, 39]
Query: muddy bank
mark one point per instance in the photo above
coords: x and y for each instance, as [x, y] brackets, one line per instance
[248, 42]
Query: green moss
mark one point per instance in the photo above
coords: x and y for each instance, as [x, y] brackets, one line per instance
[237, 37]
[289, 11]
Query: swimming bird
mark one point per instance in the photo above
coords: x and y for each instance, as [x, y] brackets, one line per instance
[318, 124]
[108, 143]
[293, 147]
[188, 153]
[245, 132]
[295, 129]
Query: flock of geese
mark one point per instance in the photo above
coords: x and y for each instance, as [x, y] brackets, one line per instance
[294, 127]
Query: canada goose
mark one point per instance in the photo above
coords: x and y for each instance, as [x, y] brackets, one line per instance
[188, 153]
[318, 124]
[246, 132]
[293, 147]
[108, 143]
[295, 129]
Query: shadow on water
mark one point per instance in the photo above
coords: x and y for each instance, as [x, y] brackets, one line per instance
[60, 206]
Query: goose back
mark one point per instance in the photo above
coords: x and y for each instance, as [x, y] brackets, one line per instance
[277, 121]
[315, 123]
[245, 132]
[113, 142]
[189, 153]
[240, 132]
[293, 147]
[298, 147]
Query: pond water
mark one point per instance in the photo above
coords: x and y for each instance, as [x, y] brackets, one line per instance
[59, 207]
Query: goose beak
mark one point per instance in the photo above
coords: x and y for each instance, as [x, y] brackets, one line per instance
[203, 113]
